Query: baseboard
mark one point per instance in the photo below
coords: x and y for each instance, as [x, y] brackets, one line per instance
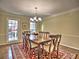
[4, 44]
[9, 43]
[69, 46]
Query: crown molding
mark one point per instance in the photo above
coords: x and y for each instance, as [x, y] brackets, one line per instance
[62, 13]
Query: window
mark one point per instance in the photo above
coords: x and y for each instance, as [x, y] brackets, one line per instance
[12, 30]
[32, 29]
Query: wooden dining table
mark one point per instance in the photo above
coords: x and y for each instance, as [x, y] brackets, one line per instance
[38, 42]
[53, 40]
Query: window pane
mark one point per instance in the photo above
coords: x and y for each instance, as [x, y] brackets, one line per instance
[32, 27]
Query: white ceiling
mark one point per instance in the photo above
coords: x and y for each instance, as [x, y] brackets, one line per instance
[45, 7]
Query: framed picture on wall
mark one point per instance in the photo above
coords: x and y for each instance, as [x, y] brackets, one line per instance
[24, 25]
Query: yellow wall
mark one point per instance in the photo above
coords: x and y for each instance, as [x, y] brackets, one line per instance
[66, 24]
[4, 17]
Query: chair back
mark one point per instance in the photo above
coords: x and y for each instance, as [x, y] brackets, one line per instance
[23, 38]
[44, 35]
[27, 31]
[56, 40]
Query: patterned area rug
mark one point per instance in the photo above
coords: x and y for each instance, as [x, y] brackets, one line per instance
[19, 53]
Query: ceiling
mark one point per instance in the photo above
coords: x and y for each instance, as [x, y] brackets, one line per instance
[45, 7]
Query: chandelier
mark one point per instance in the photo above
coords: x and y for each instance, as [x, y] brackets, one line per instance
[35, 18]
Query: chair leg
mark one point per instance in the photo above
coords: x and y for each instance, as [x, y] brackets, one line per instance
[57, 54]
[57, 51]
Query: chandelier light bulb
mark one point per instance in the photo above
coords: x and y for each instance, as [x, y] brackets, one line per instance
[31, 19]
[35, 18]
[39, 19]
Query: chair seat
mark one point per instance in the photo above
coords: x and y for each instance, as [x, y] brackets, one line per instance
[33, 45]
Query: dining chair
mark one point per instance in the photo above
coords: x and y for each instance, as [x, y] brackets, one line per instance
[44, 35]
[24, 37]
[55, 42]
[29, 48]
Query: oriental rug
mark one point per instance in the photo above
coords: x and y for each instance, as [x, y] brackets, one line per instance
[19, 53]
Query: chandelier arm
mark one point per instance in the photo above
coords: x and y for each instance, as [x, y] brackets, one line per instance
[36, 18]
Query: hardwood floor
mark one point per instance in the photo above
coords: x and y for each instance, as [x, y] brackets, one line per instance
[6, 53]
